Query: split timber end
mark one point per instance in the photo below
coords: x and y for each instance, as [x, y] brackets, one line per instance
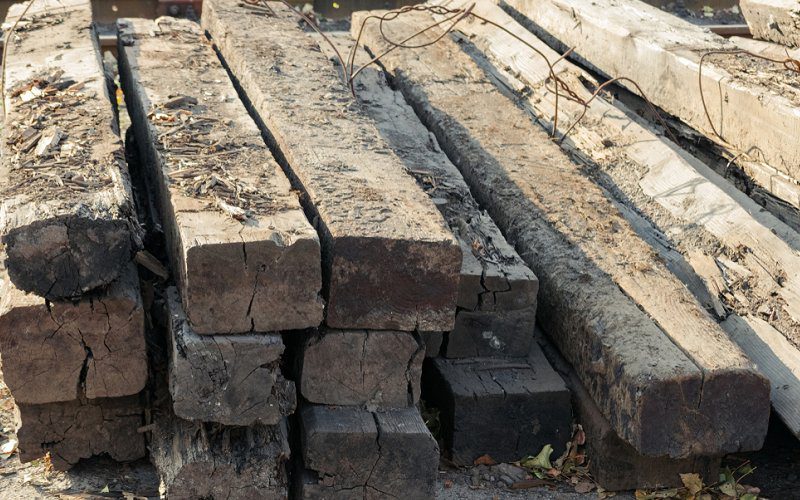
[246, 257]
[67, 219]
[389, 260]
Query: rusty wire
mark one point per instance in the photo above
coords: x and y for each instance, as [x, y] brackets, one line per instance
[789, 64]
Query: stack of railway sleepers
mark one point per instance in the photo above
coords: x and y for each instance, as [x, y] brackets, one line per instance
[390, 263]
[246, 261]
[652, 363]
[700, 233]
[773, 20]
[71, 317]
[482, 370]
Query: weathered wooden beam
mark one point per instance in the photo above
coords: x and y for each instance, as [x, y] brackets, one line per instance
[203, 460]
[77, 430]
[354, 453]
[389, 260]
[245, 256]
[377, 369]
[497, 292]
[60, 351]
[227, 379]
[505, 408]
[601, 294]
[66, 219]
[654, 179]
[752, 104]
[773, 20]
[616, 465]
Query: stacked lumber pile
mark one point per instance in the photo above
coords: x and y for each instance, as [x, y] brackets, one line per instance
[655, 376]
[72, 334]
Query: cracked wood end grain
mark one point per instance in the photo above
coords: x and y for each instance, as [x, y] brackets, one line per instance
[245, 256]
[60, 351]
[389, 260]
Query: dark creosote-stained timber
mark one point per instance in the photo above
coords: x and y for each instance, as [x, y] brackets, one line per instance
[351, 452]
[389, 260]
[753, 105]
[524, 398]
[639, 340]
[245, 256]
[205, 460]
[60, 351]
[497, 291]
[228, 379]
[81, 429]
[66, 214]
[377, 368]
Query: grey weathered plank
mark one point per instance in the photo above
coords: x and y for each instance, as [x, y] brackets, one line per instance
[753, 105]
[67, 218]
[389, 260]
[228, 379]
[61, 351]
[362, 367]
[354, 453]
[202, 460]
[504, 408]
[773, 20]
[78, 430]
[254, 271]
[583, 251]
[497, 291]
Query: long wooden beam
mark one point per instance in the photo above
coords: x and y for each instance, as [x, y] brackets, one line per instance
[675, 191]
[752, 104]
[389, 259]
[245, 256]
[636, 335]
[66, 219]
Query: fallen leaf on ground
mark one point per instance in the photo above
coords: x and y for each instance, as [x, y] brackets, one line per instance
[485, 460]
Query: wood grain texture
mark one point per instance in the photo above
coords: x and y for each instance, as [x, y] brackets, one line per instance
[773, 20]
[62, 351]
[227, 379]
[526, 402]
[662, 52]
[376, 369]
[77, 430]
[66, 219]
[202, 460]
[583, 251]
[262, 273]
[354, 453]
[389, 260]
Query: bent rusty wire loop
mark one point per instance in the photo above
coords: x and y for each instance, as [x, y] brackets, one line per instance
[789, 63]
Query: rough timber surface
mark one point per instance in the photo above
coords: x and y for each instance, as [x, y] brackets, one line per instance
[61, 351]
[204, 460]
[773, 20]
[245, 256]
[351, 453]
[389, 260]
[379, 368]
[497, 291]
[742, 254]
[615, 464]
[67, 218]
[228, 379]
[504, 408]
[77, 430]
[586, 255]
[753, 104]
